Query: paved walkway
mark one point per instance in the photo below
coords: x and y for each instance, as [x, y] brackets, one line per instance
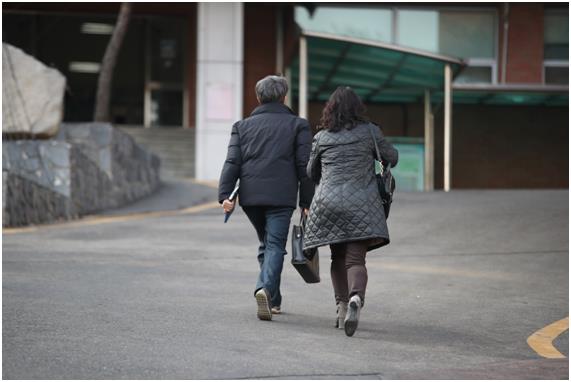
[174, 194]
[468, 278]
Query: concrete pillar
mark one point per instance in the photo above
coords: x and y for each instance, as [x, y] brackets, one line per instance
[447, 127]
[288, 100]
[428, 144]
[219, 88]
[279, 40]
[303, 77]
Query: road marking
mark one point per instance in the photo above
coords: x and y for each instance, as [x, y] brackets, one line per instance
[95, 219]
[542, 340]
[208, 183]
[200, 208]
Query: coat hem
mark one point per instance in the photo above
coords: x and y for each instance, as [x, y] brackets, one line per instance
[343, 240]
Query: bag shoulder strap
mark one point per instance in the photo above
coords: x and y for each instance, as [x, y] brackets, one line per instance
[375, 142]
[381, 169]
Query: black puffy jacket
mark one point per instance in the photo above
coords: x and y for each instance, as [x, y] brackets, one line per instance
[268, 152]
[347, 205]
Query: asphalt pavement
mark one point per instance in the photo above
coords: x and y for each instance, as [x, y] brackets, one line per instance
[467, 278]
[173, 194]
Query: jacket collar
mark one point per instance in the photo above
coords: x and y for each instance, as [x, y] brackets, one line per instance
[272, 107]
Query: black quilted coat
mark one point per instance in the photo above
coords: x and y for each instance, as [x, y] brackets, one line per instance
[346, 205]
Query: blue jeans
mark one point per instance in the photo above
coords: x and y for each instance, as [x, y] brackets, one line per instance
[272, 227]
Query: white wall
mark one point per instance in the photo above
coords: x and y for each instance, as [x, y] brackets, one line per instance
[220, 62]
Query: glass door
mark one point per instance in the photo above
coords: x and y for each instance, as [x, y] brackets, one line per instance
[165, 75]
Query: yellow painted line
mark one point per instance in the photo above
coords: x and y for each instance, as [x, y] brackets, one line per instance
[208, 183]
[542, 340]
[200, 208]
[11, 231]
[95, 220]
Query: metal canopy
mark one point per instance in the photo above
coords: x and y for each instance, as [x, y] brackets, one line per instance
[385, 73]
[509, 94]
[377, 72]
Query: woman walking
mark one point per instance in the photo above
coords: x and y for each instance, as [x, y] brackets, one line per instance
[346, 212]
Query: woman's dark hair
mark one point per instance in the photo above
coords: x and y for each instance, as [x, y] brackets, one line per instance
[343, 110]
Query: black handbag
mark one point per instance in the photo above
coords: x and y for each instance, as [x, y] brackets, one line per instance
[385, 180]
[305, 262]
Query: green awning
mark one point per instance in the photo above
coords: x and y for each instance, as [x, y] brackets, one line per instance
[385, 73]
[509, 94]
[378, 72]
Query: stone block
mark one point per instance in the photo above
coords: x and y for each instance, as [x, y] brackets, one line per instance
[87, 168]
[32, 95]
[94, 138]
[58, 155]
[29, 203]
[37, 160]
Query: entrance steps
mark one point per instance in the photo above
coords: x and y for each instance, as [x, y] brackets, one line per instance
[175, 147]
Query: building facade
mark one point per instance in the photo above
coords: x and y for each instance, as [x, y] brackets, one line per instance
[193, 66]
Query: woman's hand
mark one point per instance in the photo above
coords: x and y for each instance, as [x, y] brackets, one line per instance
[228, 205]
[305, 211]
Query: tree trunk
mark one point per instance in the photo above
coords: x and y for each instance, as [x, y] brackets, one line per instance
[105, 80]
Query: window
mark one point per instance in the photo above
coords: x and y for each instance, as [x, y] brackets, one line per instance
[470, 35]
[467, 34]
[367, 23]
[164, 90]
[148, 82]
[556, 47]
[475, 74]
[85, 38]
[418, 29]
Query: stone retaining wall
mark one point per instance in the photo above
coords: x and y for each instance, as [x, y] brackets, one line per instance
[86, 168]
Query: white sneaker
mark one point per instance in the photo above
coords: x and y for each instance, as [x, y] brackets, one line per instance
[263, 300]
[341, 313]
[352, 317]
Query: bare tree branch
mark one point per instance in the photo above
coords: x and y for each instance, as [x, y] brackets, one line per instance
[105, 80]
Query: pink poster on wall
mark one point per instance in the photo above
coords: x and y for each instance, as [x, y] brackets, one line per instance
[219, 101]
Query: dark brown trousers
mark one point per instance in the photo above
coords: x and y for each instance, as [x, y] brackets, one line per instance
[348, 271]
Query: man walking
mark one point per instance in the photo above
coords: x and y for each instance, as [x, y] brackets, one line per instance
[268, 152]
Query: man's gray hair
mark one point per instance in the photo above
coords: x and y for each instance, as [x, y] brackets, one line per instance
[271, 89]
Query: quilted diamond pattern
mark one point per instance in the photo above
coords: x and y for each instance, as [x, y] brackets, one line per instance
[346, 205]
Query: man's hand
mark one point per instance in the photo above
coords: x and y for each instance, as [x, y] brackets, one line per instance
[228, 205]
[305, 211]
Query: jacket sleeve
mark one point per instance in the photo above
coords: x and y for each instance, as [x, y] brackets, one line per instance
[314, 164]
[231, 169]
[303, 146]
[386, 149]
